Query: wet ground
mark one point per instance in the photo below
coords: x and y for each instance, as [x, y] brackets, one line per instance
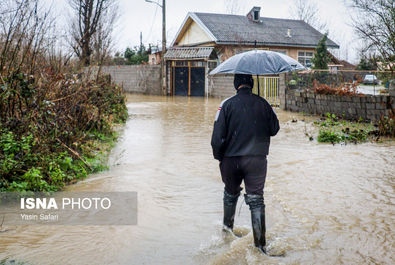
[325, 204]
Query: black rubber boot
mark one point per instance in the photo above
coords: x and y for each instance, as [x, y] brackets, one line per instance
[230, 202]
[257, 208]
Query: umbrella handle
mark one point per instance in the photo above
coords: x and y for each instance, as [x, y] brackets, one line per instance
[257, 80]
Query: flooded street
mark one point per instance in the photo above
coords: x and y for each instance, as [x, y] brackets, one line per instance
[324, 204]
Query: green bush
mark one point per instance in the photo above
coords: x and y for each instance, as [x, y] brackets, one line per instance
[329, 136]
[55, 131]
[333, 130]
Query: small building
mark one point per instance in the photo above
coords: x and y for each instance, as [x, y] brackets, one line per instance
[216, 37]
[336, 64]
[155, 56]
[189, 67]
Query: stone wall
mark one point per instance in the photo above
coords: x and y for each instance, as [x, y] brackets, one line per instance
[351, 107]
[143, 79]
[221, 86]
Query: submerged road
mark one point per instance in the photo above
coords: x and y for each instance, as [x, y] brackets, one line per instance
[325, 204]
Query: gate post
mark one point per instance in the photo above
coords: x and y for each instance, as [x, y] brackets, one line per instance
[282, 91]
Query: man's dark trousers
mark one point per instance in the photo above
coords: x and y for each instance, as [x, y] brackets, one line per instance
[251, 169]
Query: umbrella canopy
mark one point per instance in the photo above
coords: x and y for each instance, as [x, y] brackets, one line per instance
[258, 62]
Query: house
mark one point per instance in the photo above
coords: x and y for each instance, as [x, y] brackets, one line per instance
[336, 64]
[206, 39]
[155, 56]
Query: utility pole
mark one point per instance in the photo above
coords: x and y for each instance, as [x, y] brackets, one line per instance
[162, 61]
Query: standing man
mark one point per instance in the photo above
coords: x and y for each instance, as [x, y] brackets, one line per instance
[243, 126]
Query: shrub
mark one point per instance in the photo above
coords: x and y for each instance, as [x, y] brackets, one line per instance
[50, 128]
[342, 89]
[386, 125]
[329, 136]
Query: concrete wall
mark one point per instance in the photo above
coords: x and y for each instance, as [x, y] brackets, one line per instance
[351, 107]
[143, 79]
[221, 86]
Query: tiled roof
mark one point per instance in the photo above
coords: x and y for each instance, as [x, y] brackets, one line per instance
[235, 29]
[189, 53]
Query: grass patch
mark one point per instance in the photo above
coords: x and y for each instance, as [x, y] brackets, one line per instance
[335, 130]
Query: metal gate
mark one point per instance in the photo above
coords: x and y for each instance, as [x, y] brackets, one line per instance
[181, 79]
[187, 78]
[269, 89]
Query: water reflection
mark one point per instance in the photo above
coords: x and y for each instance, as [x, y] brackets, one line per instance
[325, 204]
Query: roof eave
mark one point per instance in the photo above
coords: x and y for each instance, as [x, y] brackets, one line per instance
[196, 44]
[252, 43]
[186, 58]
[180, 56]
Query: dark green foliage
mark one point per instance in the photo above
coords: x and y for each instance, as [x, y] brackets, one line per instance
[328, 136]
[321, 58]
[55, 131]
[137, 55]
[333, 130]
[367, 64]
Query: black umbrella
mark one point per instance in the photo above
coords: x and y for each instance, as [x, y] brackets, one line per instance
[258, 62]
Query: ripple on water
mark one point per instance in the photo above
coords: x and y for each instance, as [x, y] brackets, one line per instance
[324, 204]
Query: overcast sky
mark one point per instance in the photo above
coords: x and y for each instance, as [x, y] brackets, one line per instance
[139, 16]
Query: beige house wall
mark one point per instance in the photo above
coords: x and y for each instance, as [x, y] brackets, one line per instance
[194, 34]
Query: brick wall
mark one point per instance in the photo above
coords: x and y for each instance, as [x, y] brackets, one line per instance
[143, 79]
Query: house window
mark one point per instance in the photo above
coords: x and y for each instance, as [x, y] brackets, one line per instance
[305, 58]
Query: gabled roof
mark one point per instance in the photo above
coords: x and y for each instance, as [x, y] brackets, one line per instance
[236, 29]
[189, 53]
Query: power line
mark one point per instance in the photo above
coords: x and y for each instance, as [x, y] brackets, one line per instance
[152, 24]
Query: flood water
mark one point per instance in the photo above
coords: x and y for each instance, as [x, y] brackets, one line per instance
[324, 204]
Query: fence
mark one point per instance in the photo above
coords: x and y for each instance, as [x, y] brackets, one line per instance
[341, 81]
[268, 88]
[351, 94]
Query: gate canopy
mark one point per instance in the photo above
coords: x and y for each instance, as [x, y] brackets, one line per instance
[189, 53]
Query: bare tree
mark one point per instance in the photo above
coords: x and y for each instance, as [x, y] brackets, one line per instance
[232, 6]
[24, 35]
[102, 39]
[307, 11]
[375, 25]
[90, 16]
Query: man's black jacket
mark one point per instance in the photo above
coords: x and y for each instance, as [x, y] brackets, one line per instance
[243, 126]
